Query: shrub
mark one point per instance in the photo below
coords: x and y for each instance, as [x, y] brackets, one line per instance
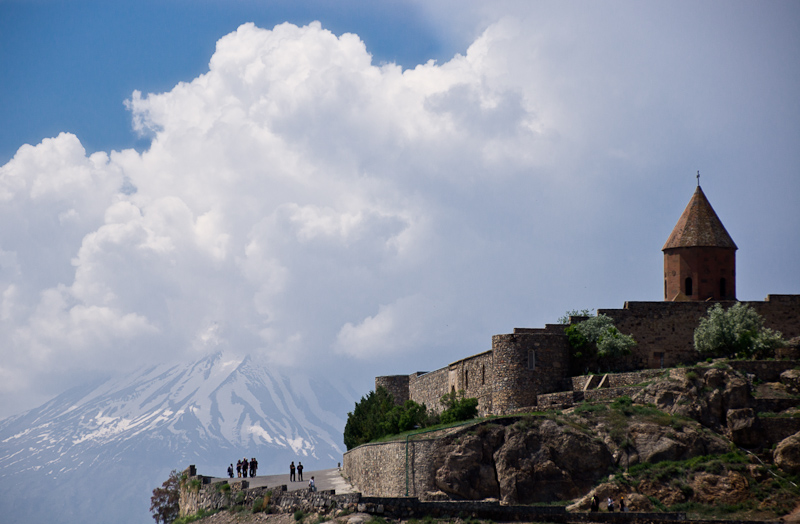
[299, 515]
[597, 337]
[735, 332]
[564, 319]
[376, 416]
[458, 408]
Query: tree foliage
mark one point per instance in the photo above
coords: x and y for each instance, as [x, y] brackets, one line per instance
[164, 502]
[458, 408]
[564, 319]
[597, 338]
[376, 416]
[735, 332]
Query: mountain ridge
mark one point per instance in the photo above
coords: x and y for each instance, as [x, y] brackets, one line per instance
[108, 443]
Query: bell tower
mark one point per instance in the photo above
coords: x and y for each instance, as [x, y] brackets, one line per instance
[699, 256]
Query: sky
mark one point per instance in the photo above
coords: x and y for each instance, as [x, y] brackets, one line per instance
[356, 189]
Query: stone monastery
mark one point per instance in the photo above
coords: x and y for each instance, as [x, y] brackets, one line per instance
[522, 367]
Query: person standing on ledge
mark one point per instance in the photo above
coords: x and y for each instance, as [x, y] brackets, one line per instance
[300, 471]
[291, 472]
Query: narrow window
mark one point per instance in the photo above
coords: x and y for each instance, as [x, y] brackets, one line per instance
[466, 379]
[723, 291]
[659, 357]
[531, 359]
[665, 289]
[687, 286]
[483, 374]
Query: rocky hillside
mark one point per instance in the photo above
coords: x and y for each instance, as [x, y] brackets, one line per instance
[698, 440]
[693, 440]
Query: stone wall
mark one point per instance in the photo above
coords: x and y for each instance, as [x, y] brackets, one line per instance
[392, 469]
[607, 394]
[475, 376]
[397, 385]
[616, 380]
[502, 381]
[664, 331]
[428, 388]
[779, 428]
[526, 365]
[764, 370]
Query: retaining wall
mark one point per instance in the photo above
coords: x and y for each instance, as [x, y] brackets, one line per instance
[392, 469]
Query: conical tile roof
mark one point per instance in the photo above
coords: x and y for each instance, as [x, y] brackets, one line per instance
[699, 225]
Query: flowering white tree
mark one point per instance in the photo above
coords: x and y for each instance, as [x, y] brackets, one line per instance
[735, 332]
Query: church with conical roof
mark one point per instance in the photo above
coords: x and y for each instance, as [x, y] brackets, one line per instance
[699, 256]
[533, 367]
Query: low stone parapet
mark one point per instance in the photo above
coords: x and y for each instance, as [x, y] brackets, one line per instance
[764, 370]
[607, 394]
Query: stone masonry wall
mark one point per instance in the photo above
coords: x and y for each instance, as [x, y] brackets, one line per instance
[664, 331]
[617, 380]
[516, 384]
[475, 376]
[397, 385]
[428, 388]
[764, 370]
[392, 469]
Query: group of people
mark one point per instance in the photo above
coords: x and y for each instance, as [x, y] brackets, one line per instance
[296, 475]
[242, 468]
[609, 504]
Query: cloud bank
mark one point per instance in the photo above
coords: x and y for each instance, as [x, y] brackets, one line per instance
[302, 202]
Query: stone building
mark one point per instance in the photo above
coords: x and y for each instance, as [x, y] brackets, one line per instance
[699, 271]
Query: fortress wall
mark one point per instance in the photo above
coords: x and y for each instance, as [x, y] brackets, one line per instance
[659, 328]
[781, 313]
[475, 375]
[388, 469]
[428, 388]
[516, 384]
[667, 328]
[397, 385]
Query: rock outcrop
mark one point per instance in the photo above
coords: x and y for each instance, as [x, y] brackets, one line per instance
[787, 455]
[542, 460]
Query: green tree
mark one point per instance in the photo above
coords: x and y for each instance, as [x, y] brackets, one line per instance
[164, 502]
[597, 338]
[458, 408]
[376, 416]
[368, 420]
[735, 332]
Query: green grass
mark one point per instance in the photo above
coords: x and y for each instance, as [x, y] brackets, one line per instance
[202, 513]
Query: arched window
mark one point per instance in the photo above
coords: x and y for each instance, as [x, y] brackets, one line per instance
[723, 288]
[531, 359]
[687, 286]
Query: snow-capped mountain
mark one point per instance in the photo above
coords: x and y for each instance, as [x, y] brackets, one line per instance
[97, 451]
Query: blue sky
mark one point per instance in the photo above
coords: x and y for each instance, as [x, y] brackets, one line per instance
[70, 64]
[371, 188]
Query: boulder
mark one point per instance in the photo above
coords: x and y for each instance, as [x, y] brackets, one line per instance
[547, 463]
[787, 454]
[655, 443]
[704, 395]
[744, 429]
[730, 488]
[791, 379]
[467, 470]
[667, 494]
